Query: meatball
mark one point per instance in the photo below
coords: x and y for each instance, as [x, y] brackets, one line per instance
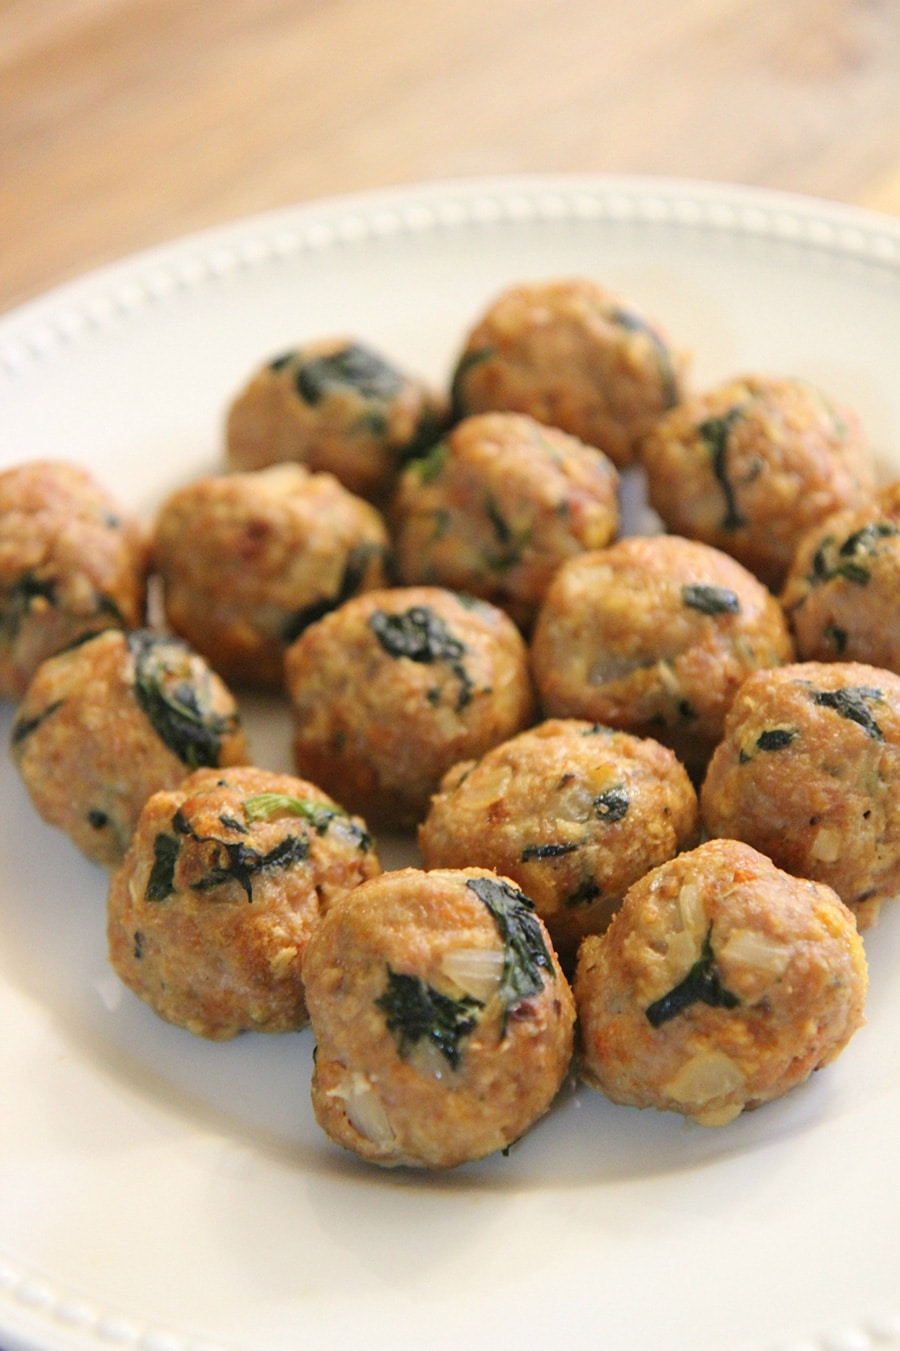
[722, 983]
[752, 464]
[654, 635]
[212, 908]
[808, 772]
[496, 507]
[573, 812]
[394, 687]
[105, 724]
[72, 562]
[248, 560]
[334, 404]
[443, 1023]
[572, 355]
[842, 593]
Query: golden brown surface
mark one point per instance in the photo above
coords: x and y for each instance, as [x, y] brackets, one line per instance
[127, 122]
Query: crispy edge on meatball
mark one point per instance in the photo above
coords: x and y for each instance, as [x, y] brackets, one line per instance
[573, 812]
[494, 508]
[73, 561]
[808, 772]
[721, 984]
[443, 1023]
[573, 355]
[226, 878]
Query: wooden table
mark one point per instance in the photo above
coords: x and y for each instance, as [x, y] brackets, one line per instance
[127, 122]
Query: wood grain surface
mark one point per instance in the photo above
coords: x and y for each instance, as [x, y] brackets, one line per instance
[124, 123]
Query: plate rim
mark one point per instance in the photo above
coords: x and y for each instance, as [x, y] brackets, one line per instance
[49, 323]
[56, 317]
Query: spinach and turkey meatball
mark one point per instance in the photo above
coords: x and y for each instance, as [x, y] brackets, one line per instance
[752, 464]
[108, 722]
[394, 687]
[72, 562]
[808, 771]
[654, 635]
[722, 983]
[337, 405]
[572, 355]
[212, 908]
[495, 507]
[248, 560]
[842, 594]
[443, 1024]
[571, 811]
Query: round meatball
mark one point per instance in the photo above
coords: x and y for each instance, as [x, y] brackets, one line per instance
[72, 562]
[496, 507]
[572, 355]
[443, 1023]
[752, 464]
[571, 811]
[842, 593]
[212, 908]
[334, 404]
[249, 560]
[394, 687]
[105, 724]
[654, 635]
[722, 983]
[808, 772]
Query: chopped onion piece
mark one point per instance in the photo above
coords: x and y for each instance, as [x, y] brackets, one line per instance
[691, 909]
[475, 971]
[429, 1061]
[749, 948]
[826, 847]
[488, 786]
[702, 1079]
[365, 1110]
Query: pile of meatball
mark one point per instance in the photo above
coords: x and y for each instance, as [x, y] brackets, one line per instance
[653, 780]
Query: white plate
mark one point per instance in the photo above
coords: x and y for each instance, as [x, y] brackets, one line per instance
[158, 1193]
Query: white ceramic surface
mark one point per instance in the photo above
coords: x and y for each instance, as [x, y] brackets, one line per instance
[158, 1193]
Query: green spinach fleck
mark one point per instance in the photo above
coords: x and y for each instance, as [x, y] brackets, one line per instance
[702, 984]
[20, 599]
[420, 635]
[710, 600]
[533, 852]
[22, 728]
[852, 559]
[415, 1011]
[612, 804]
[354, 367]
[775, 738]
[352, 578]
[635, 323]
[161, 882]
[175, 701]
[585, 893]
[714, 433]
[458, 406]
[240, 862]
[526, 958]
[320, 815]
[850, 701]
[429, 467]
